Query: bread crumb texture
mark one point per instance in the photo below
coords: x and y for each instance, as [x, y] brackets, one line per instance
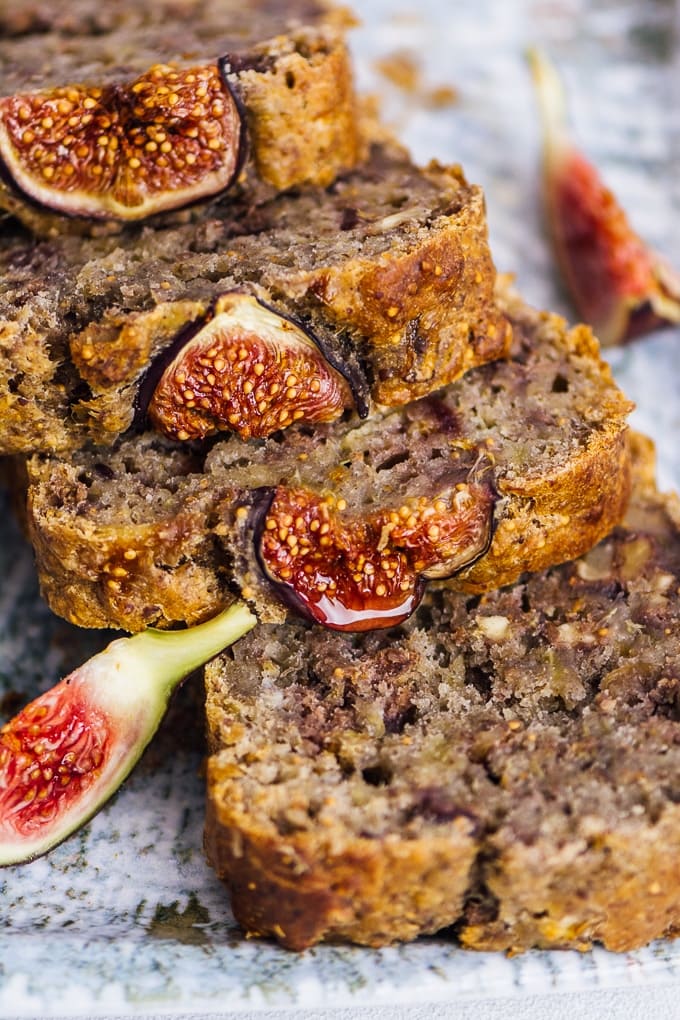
[500, 766]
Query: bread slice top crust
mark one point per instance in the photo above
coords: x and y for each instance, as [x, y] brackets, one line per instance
[144, 103]
[505, 765]
[159, 533]
[389, 269]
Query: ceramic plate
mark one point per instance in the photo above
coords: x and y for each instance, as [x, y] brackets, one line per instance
[125, 917]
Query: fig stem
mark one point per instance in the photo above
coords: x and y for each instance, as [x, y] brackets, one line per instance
[168, 656]
[552, 103]
[139, 673]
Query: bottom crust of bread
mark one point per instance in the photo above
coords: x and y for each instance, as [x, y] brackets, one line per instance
[502, 766]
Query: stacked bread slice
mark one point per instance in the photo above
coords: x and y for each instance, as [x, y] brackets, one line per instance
[523, 460]
[504, 764]
[124, 114]
[249, 350]
[381, 290]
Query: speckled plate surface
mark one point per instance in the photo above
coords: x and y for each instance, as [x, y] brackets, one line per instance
[126, 918]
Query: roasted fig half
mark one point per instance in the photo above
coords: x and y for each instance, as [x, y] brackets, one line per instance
[67, 752]
[246, 369]
[362, 574]
[125, 151]
[618, 285]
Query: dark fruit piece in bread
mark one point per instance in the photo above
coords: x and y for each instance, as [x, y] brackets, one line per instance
[156, 533]
[505, 764]
[114, 119]
[389, 271]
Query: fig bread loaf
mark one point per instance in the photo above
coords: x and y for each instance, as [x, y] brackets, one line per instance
[111, 113]
[380, 288]
[520, 464]
[504, 767]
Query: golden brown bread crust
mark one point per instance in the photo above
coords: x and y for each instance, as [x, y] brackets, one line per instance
[525, 537]
[302, 115]
[127, 574]
[379, 892]
[628, 877]
[545, 506]
[404, 889]
[404, 302]
[537, 727]
[152, 534]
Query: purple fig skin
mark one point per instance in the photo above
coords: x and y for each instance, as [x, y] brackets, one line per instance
[69, 750]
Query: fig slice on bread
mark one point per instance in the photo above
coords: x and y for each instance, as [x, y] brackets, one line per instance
[618, 285]
[367, 572]
[246, 369]
[127, 151]
[69, 750]
[142, 116]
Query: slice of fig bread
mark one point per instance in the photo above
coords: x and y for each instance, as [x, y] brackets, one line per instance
[503, 766]
[380, 288]
[520, 464]
[121, 112]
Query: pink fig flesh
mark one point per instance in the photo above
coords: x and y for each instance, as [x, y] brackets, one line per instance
[618, 284]
[68, 751]
[51, 754]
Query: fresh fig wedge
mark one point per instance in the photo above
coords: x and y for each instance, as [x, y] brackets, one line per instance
[67, 752]
[247, 369]
[618, 285]
[362, 574]
[170, 138]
